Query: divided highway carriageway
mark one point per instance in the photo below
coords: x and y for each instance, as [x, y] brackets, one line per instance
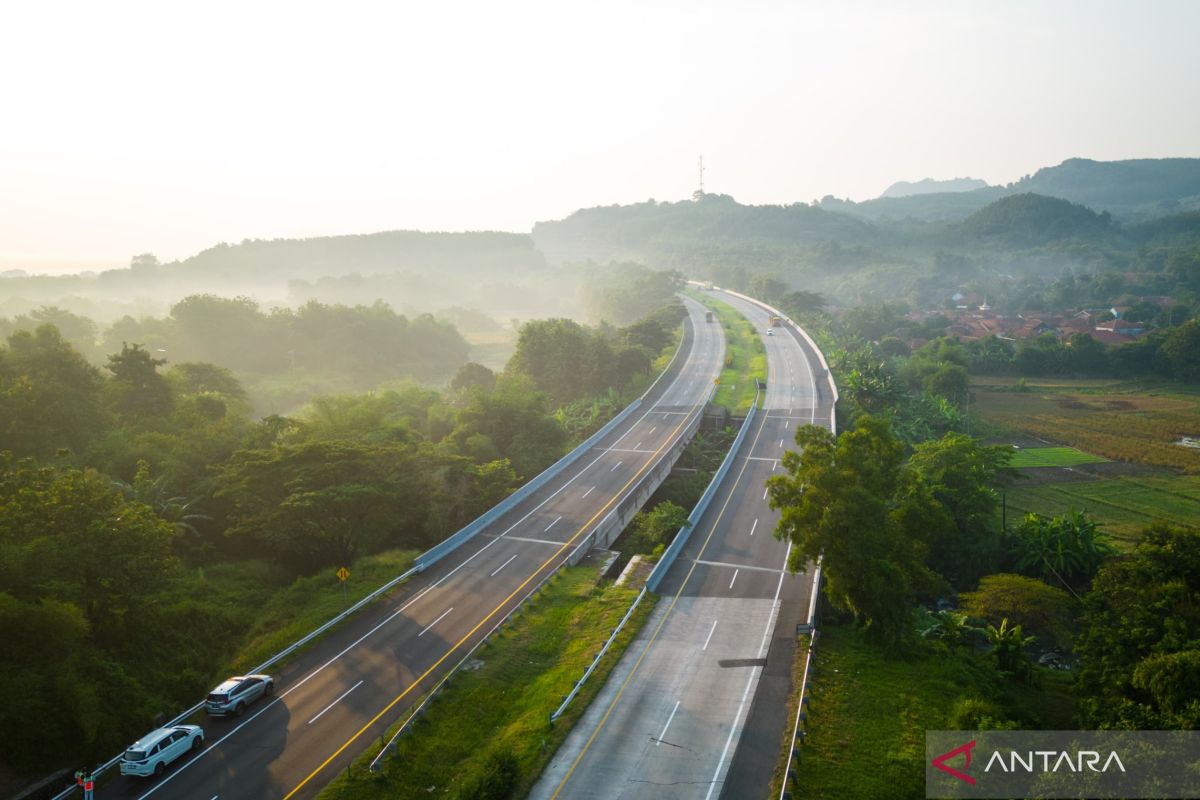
[696, 707]
[338, 697]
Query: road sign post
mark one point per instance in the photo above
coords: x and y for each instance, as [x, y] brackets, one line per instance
[342, 575]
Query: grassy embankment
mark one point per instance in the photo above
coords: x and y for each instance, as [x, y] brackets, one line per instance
[745, 357]
[284, 610]
[1138, 427]
[869, 709]
[496, 713]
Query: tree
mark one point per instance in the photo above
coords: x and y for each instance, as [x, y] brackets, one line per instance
[801, 302]
[1067, 549]
[472, 375]
[1038, 607]
[1008, 647]
[1140, 634]
[654, 528]
[557, 356]
[962, 475]
[72, 535]
[320, 504]
[846, 499]
[949, 381]
[138, 392]
[50, 397]
[1182, 351]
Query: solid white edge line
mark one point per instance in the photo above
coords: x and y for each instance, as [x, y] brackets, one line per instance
[279, 697]
[335, 702]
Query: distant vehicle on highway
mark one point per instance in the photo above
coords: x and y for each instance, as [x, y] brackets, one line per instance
[152, 753]
[232, 696]
[770, 332]
[776, 320]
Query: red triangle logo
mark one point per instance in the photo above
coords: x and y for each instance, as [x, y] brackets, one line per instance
[940, 762]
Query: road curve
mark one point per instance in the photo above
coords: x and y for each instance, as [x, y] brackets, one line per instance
[672, 715]
[339, 696]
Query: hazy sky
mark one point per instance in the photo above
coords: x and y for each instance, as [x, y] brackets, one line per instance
[133, 127]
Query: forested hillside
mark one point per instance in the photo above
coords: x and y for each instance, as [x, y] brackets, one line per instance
[499, 273]
[151, 529]
[1017, 250]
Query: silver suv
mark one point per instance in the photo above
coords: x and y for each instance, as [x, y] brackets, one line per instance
[232, 696]
[151, 754]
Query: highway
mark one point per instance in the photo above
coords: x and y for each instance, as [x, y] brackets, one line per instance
[691, 689]
[337, 697]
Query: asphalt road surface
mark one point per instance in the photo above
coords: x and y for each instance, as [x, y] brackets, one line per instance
[672, 715]
[339, 696]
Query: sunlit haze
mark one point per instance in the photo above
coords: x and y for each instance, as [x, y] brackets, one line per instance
[135, 127]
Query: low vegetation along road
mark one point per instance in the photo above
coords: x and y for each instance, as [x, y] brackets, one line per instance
[339, 697]
[709, 677]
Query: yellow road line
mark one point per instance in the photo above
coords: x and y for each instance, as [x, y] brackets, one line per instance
[637, 664]
[604, 509]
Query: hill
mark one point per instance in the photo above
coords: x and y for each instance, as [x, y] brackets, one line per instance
[1133, 189]
[1026, 220]
[932, 186]
[657, 233]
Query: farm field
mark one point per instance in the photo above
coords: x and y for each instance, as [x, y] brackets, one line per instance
[1052, 457]
[1121, 421]
[1137, 427]
[1124, 506]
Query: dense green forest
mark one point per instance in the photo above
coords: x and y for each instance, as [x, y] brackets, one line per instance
[282, 357]
[146, 514]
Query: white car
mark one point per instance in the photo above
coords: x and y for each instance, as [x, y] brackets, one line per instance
[232, 696]
[770, 331]
[151, 754]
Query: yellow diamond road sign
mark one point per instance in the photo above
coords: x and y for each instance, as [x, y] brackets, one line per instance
[342, 574]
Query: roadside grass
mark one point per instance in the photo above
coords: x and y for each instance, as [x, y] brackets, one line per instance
[1052, 457]
[1123, 506]
[284, 615]
[745, 357]
[1132, 422]
[784, 761]
[501, 707]
[869, 709]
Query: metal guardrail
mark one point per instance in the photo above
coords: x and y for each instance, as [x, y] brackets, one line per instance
[681, 538]
[814, 600]
[465, 534]
[668, 556]
[438, 551]
[596, 661]
[802, 333]
[801, 715]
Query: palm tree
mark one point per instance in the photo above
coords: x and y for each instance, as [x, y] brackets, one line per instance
[153, 492]
[1008, 646]
[1070, 548]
